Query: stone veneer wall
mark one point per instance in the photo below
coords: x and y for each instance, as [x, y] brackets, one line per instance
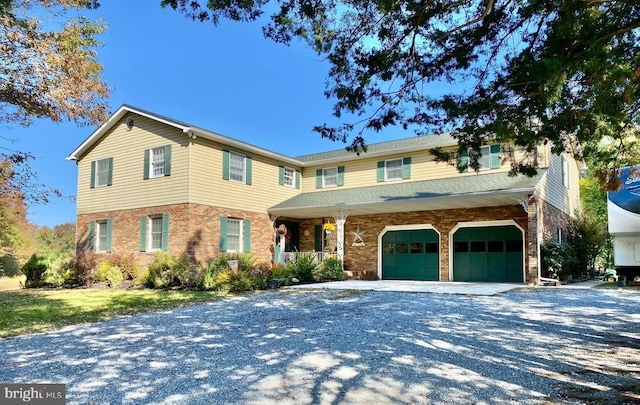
[193, 228]
[361, 262]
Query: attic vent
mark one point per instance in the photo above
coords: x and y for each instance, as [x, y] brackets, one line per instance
[129, 123]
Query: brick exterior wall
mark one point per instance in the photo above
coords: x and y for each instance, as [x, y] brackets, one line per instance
[361, 262]
[551, 219]
[193, 228]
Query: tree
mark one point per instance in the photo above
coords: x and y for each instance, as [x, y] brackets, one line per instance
[530, 71]
[48, 71]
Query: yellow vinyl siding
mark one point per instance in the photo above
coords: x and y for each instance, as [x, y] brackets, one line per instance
[128, 189]
[362, 171]
[208, 187]
[552, 189]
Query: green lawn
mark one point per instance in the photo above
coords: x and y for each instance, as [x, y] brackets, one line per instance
[37, 310]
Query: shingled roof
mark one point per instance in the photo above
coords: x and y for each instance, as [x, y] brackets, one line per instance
[428, 194]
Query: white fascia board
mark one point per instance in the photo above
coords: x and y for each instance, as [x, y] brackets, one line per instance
[234, 143]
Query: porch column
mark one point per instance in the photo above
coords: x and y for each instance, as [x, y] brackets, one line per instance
[341, 218]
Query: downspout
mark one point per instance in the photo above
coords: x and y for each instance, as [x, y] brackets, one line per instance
[539, 243]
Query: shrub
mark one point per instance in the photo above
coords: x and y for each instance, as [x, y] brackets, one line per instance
[231, 281]
[107, 271]
[34, 268]
[304, 266]
[558, 260]
[160, 275]
[285, 273]
[184, 272]
[128, 265]
[330, 269]
[83, 267]
[59, 269]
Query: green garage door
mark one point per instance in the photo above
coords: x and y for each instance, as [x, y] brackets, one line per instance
[410, 255]
[491, 253]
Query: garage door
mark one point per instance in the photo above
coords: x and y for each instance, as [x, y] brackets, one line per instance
[410, 255]
[488, 254]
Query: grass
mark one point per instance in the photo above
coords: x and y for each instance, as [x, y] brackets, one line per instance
[39, 310]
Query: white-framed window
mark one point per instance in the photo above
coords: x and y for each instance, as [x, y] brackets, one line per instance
[234, 235]
[102, 173]
[485, 160]
[237, 167]
[565, 172]
[561, 236]
[393, 169]
[155, 233]
[289, 177]
[330, 177]
[101, 236]
[156, 163]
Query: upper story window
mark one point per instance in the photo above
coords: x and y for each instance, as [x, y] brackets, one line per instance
[565, 172]
[157, 162]
[330, 177]
[101, 172]
[489, 159]
[393, 169]
[289, 178]
[236, 167]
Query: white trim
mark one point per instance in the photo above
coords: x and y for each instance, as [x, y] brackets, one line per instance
[483, 224]
[150, 247]
[100, 225]
[152, 175]
[409, 227]
[284, 183]
[386, 177]
[323, 177]
[244, 167]
[240, 237]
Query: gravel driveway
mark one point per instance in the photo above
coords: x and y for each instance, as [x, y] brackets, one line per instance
[347, 347]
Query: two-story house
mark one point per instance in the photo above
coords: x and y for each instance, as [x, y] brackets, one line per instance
[148, 183]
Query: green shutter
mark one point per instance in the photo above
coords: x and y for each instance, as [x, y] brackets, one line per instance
[223, 234]
[317, 231]
[281, 175]
[247, 168]
[246, 233]
[298, 179]
[93, 174]
[319, 178]
[165, 231]
[495, 156]
[463, 161]
[225, 165]
[110, 172]
[143, 234]
[381, 170]
[109, 232]
[167, 160]
[406, 168]
[90, 245]
[145, 170]
[340, 175]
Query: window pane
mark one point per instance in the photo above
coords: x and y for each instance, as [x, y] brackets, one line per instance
[431, 247]
[393, 169]
[514, 246]
[478, 246]
[102, 172]
[417, 248]
[461, 247]
[236, 167]
[496, 246]
[289, 177]
[101, 242]
[156, 233]
[233, 235]
[402, 248]
[157, 162]
[330, 177]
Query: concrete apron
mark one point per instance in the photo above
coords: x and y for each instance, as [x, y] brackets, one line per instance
[438, 287]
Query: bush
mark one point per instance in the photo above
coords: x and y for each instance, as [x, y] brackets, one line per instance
[304, 266]
[558, 260]
[107, 271]
[330, 269]
[160, 275]
[231, 281]
[34, 268]
[184, 272]
[84, 267]
[217, 275]
[59, 269]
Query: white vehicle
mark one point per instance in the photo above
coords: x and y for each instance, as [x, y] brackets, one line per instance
[624, 222]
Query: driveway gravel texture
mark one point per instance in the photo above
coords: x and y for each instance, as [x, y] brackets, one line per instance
[528, 346]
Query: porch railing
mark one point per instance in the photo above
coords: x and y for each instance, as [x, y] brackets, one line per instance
[320, 256]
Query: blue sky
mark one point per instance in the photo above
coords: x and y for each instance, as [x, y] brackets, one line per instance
[228, 79]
